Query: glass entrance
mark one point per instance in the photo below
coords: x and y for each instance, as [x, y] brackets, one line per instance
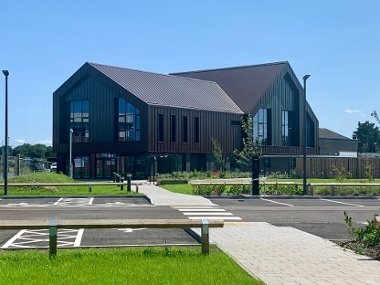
[105, 167]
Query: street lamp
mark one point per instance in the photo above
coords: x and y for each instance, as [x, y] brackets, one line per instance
[5, 154]
[304, 143]
[71, 154]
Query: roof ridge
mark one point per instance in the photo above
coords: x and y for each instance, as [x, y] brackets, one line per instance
[232, 67]
[150, 72]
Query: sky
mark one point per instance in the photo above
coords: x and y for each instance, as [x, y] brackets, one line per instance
[43, 42]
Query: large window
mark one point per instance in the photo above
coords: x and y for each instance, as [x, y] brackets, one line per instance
[285, 129]
[262, 126]
[128, 122]
[80, 120]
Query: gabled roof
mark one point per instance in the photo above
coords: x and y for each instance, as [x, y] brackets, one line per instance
[244, 84]
[328, 134]
[172, 91]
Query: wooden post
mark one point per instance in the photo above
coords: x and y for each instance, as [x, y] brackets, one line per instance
[205, 237]
[137, 188]
[333, 189]
[52, 238]
[89, 187]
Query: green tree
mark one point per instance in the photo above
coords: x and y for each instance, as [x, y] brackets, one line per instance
[368, 135]
[251, 146]
[218, 153]
[39, 151]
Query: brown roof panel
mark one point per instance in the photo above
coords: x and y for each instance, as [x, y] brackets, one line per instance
[244, 84]
[328, 134]
[169, 90]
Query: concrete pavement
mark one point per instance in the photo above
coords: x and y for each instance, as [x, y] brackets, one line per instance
[279, 255]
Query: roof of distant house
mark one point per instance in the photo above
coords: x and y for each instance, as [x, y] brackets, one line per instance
[328, 134]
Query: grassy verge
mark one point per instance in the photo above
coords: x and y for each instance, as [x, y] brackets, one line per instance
[49, 177]
[122, 266]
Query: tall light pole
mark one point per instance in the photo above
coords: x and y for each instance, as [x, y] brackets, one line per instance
[71, 154]
[304, 140]
[5, 154]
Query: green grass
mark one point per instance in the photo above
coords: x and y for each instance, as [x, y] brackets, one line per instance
[179, 188]
[50, 177]
[122, 266]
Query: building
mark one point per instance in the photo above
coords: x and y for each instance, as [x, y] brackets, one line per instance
[130, 121]
[332, 143]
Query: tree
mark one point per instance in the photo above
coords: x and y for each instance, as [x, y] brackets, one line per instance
[35, 151]
[218, 153]
[368, 135]
[251, 147]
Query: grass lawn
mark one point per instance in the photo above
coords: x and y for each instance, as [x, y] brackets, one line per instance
[122, 266]
[50, 177]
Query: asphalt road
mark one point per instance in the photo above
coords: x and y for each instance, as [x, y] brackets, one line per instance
[87, 208]
[320, 217]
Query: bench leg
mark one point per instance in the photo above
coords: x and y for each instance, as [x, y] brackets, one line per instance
[205, 237]
[52, 238]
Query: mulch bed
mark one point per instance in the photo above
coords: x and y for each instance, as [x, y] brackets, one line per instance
[372, 252]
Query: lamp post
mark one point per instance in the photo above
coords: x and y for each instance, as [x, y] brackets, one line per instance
[71, 154]
[5, 154]
[304, 143]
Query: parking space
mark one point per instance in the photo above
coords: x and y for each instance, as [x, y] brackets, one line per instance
[75, 202]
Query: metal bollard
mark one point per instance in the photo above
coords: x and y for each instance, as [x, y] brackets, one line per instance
[205, 237]
[89, 187]
[129, 180]
[137, 188]
[52, 238]
[122, 185]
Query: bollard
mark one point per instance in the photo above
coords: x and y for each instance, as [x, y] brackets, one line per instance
[89, 187]
[333, 189]
[52, 238]
[205, 237]
[137, 188]
[122, 185]
[129, 180]
[114, 176]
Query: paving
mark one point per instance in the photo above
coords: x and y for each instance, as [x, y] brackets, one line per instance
[279, 255]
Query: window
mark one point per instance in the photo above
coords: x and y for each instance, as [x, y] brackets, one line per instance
[80, 120]
[160, 128]
[196, 129]
[128, 122]
[172, 128]
[262, 126]
[285, 130]
[184, 129]
[235, 123]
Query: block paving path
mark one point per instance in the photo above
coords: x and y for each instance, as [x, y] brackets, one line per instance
[280, 255]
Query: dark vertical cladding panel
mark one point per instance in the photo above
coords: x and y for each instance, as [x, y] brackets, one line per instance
[89, 84]
[211, 124]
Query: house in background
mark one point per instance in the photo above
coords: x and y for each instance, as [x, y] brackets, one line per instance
[334, 144]
[138, 122]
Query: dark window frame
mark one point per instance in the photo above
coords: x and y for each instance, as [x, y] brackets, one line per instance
[79, 120]
[128, 121]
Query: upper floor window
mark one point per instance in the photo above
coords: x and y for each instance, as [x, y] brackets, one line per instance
[128, 122]
[80, 120]
[285, 129]
[262, 126]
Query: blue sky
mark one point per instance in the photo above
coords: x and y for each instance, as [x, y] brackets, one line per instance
[43, 42]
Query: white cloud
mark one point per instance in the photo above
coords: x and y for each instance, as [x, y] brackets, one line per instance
[20, 141]
[45, 142]
[352, 111]
[362, 114]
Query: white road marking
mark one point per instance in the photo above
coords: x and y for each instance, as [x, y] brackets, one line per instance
[130, 230]
[79, 238]
[206, 213]
[91, 200]
[215, 218]
[201, 209]
[275, 202]
[10, 242]
[59, 200]
[338, 202]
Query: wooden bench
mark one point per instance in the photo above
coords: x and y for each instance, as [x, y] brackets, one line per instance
[53, 225]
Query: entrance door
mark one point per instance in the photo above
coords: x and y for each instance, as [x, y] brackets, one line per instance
[105, 167]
